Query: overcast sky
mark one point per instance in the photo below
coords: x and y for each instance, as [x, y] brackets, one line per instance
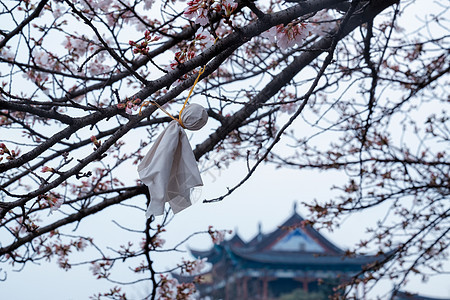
[268, 197]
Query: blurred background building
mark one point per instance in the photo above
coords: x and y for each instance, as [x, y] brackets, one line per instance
[292, 262]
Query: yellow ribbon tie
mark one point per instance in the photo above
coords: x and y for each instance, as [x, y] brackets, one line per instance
[146, 103]
[200, 72]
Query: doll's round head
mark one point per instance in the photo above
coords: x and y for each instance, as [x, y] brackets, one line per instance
[194, 116]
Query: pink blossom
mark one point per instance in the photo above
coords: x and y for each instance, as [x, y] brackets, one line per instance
[324, 22]
[270, 34]
[103, 5]
[95, 268]
[170, 288]
[38, 77]
[296, 33]
[76, 46]
[289, 108]
[159, 242]
[148, 4]
[100, 269]
[193, 267]
[57, 11]
[41, 58]
[191, 14]
[167, 288]
[203, 38]
[97, 67]
[142, 47]
[181, 57]
[284, 42]
[4, 149]
[191, 10]
[197, 10]
[130, 106]
[155, 242]
[6, 53]
[229, 6]
[202, 18]
[186, 291]
[47, 169]
[111, 18]
[289, 35]
[217, 236]
[55, 203]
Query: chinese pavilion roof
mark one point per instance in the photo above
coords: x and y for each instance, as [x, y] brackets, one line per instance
[293, 245]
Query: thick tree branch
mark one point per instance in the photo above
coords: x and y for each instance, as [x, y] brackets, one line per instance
[24, 23]
[82, 213]
[284, 77]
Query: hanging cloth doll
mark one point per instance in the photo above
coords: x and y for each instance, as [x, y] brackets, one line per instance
[169, 169]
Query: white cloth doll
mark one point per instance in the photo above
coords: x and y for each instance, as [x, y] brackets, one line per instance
[169, 169]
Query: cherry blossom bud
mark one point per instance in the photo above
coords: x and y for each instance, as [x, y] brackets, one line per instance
[4, 148]
[47, 169]
[95, 141]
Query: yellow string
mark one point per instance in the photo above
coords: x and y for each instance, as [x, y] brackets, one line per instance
[146, 103]
[200, 72]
